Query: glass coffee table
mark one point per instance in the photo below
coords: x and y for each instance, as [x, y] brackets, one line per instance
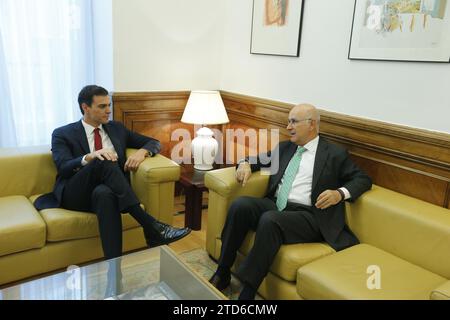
[152, 274]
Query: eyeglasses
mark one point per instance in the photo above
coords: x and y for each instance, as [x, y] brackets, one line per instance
[295, 121]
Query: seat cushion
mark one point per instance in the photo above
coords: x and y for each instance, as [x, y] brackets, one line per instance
[65, 224]
[21, 226]
[345, 275]
[290, 257]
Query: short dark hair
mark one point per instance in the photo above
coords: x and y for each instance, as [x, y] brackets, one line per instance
[87, 94]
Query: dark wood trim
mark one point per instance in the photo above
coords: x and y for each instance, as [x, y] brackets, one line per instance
[148, 96]
[388, 129]
[126, 103]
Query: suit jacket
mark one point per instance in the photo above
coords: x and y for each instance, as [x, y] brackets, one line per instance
[333, 169]
[70, 144]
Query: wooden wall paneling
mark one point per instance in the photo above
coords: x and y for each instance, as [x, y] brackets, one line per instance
[432, 152]
[417, 184]
[250, 126]
[410, 161]
[155, 114]
[154, 101]
[448, 195]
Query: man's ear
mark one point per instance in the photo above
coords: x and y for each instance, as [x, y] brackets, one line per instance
[84, 106]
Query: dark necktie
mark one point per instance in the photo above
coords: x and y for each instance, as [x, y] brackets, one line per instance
[97, 140]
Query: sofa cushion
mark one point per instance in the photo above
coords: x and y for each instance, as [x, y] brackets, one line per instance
[345, 275]
[21, 226]
[290, 257]
[65, 224]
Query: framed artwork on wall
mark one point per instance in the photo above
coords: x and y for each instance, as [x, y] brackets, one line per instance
[276, 27]
[401, 30]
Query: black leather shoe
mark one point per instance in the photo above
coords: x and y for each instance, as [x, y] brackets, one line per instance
[220, 283]
[162, 233]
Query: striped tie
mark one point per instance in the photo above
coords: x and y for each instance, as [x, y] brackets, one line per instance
[288, 178]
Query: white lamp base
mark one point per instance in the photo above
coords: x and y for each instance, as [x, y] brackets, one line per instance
[204, 148]
[203, 167]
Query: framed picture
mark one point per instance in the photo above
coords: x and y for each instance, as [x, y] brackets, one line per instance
[276, 27]
[401, 30]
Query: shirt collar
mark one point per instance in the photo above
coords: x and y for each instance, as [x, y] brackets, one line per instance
[312, 145]
[90, 129]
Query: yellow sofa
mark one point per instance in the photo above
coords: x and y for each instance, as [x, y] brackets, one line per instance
[404, 251]
[33, 242]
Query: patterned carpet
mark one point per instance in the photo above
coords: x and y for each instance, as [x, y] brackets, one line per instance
[197, 259]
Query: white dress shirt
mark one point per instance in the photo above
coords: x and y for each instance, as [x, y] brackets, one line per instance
[106, 141]
[302, 184]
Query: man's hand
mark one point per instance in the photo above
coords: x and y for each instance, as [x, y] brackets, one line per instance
[243, 173]
[102, 154]
[135, 160]
[328, 198]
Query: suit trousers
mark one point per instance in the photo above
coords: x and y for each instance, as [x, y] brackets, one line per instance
[101, 187]
[295, 224]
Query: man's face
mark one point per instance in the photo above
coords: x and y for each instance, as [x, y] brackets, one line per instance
[300, 126]
[99, 112]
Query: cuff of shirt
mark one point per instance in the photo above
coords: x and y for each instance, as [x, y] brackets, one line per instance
[83, 161]
[346, 193]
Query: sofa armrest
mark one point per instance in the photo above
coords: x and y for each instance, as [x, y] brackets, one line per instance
[442, 292]
[154, 185]
[223, 189]
[156, 169]
[223, 181]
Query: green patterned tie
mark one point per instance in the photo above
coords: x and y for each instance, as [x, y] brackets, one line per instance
[288, 178]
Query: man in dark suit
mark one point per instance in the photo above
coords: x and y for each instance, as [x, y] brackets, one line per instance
[93, 173]
[304, 201]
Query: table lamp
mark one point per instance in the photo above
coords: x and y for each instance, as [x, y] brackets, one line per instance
[202, 108]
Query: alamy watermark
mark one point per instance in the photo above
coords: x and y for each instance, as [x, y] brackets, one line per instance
[260, 145]
[374, 279]
[73, 281]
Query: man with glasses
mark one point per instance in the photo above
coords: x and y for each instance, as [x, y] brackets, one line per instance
[304, 201]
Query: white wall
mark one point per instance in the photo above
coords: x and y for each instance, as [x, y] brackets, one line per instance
[103, 43]
[412, 94]
[166, 45]
[205, 44]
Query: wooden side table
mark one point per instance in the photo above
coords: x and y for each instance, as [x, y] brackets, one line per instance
[193, 182]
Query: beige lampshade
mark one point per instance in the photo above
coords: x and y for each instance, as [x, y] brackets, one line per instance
[205, 107]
